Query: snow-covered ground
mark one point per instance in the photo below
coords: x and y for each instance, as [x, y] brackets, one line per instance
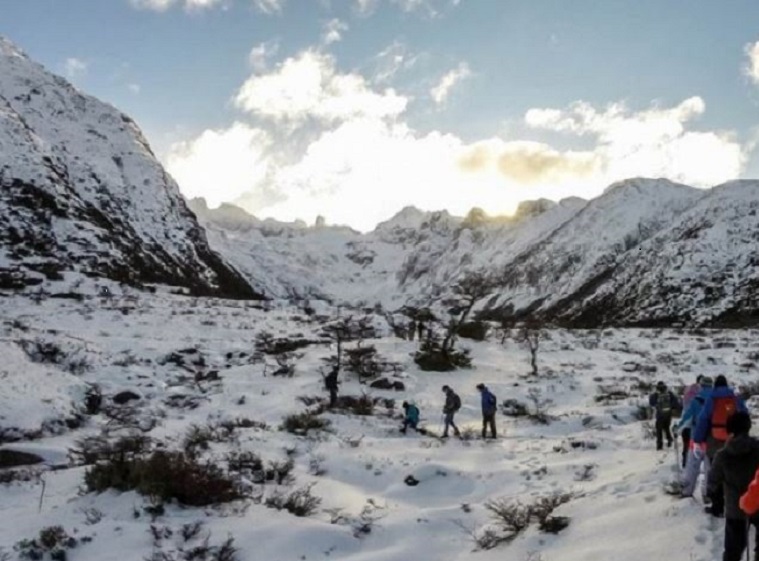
[594, 449]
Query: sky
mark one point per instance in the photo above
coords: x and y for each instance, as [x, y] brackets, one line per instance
[354, 109]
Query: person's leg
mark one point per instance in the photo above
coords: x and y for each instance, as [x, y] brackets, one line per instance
[690, 474]
[455, 428]
[706, 464]
[659, 434]
[448, 423]
[735, 539]
[484, 425]
[685, 434]
[667, 422]
[492, 424]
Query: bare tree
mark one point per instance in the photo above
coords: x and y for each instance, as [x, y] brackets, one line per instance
[469, 290]
[529, 335]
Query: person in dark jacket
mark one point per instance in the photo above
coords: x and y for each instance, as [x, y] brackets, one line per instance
[663, 402]
[330, 383]
[452, 404]
[731, 473]
[489, 402]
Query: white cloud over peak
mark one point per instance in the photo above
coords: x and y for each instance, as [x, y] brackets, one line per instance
[654, 142]
[74, 68]
[752, 66]
[333, 31]
[440, 92]
[309, 86]
[220, 165]
[157, 5]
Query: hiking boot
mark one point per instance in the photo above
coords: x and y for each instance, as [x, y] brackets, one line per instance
[713, 512]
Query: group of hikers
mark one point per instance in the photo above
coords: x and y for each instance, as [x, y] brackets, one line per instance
[452, 404]
[714, 428]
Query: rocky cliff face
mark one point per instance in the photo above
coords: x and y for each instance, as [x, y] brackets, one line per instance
[81, 193]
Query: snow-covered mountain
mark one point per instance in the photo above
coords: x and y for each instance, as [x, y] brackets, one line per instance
[647, 251]
[700, 268]
[80, 191]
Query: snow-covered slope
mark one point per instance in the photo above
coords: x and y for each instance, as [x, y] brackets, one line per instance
[81, 191]
[581, 254]
[702, 268]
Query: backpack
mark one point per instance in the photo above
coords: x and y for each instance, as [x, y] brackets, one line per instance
[492, 400]
[456, 402]
[724, 407]
[663, 403]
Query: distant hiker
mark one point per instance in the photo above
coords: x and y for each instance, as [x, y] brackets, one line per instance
[489, 403]
[410, 416]
[749, 502]
[330, 383]
[452, 404]
[695, 452]
[711, 427]
[663, 402]
[685, 429]
[732, 471]
[411, 330]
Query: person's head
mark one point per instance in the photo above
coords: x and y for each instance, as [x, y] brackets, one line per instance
[661, 386]
[480, 387]
[699, 378]
[706, 382]
[446, 389]
[405, 404]
[720, 381]
[739, 423]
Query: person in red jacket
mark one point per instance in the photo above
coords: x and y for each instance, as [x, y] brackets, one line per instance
[749, 502]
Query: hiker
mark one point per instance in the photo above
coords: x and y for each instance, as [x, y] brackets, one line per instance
[663, 402]
[685, 431]
[732, 471]
[330, 383]
[410, 416]
[452, 404]
[710, 429]
[695, 452]
[749, 502]
[488, 409]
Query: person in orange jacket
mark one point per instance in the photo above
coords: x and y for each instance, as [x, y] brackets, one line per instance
[749, 502]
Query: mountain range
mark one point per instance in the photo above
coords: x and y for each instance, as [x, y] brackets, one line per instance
[82, 194]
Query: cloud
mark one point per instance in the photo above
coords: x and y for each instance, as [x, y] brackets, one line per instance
[431, 8]
[653, 142]
[440, 92]
[220, 165]
[260, 54]
[333, 31]
[310, 87]
[752, 66]
[74, 68]
[529, 163]
[134, 88]
[392, 60]
[269, 6]
[156, 5]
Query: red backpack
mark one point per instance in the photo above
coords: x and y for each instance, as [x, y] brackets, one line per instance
[723, 408]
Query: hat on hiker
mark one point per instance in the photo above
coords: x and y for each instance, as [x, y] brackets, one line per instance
[706, 382]
[480, 386]
[720, 381]
[661, 385]
[738, 423]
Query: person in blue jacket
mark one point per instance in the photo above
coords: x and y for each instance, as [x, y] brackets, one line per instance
[694, 458]
[710, 429]
[410, 416]
[489, 406]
